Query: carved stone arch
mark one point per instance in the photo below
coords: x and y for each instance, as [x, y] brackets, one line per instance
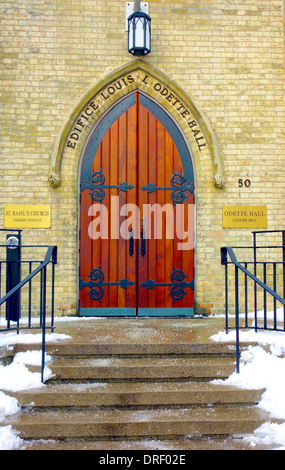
[137, 75]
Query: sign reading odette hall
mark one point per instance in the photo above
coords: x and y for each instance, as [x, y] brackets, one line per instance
[245, 217]
[27, 216]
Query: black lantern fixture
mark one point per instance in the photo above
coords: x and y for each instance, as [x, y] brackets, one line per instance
[139, 33]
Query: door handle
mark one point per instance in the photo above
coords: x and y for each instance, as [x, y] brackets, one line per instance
[143, 242]
[131, 242]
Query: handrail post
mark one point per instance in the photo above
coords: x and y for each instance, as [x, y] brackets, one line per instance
[246, 297]
[264, 296]
[237, 318]
[43, 322]
[255, 286]
[54, 262]
[224, 262]
[52, 296]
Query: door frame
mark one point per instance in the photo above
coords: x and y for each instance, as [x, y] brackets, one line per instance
[172, 127]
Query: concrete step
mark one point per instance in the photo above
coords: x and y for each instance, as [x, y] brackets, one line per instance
[168, 423]
[135, 395]
[149, 369]
[149, 445]
[136, 392]
[135, 349]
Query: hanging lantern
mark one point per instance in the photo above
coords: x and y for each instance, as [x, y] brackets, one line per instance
[139, 33]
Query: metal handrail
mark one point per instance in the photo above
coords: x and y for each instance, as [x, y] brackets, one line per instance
[51, 252]
[51, 256]
[238, 266]
[249, 274]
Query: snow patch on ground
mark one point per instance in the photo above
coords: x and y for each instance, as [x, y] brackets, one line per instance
[260, 368]
[16, 376]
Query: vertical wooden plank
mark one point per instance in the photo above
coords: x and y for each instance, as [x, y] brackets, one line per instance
[143, 165]
[85, 248]
[177, 254]
[89, 248]
[132, 169]
[113, 244]
[152, 199]
[102, 246]
[169, 222]
[122, 177]
[184, 259]
[160, 182]
[189, 254]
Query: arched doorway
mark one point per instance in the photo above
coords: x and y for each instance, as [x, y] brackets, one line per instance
[136, 243]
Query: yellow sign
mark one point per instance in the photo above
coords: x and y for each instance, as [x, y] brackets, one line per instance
[27, 216]
[245, 217]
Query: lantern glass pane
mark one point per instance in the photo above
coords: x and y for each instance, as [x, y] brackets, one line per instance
[147, 35]
[131, 34]
[139, 33]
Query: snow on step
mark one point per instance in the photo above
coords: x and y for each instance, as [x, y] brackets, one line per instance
[151, 423]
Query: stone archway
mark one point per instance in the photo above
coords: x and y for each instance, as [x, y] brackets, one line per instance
[137, 75]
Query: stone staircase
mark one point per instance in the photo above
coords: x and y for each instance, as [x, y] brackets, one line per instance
[130, 396]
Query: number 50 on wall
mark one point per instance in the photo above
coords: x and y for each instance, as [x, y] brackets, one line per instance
[244, 183]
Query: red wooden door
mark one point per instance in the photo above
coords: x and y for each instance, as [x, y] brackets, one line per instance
[135, 205]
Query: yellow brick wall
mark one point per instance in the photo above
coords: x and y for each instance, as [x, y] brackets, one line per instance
[226, 54]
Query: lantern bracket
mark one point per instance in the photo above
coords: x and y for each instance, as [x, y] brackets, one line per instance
[130, 10]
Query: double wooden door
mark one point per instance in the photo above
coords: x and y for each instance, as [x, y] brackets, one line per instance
[136, 216]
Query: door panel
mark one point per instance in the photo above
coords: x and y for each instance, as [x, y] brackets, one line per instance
[164, 288]
[111, 185]
[134, 158]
